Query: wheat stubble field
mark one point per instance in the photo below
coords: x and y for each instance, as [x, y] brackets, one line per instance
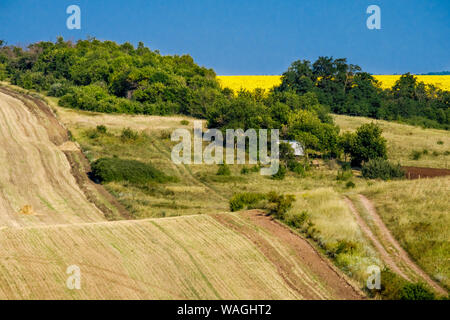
[35, 172]
[222, 256]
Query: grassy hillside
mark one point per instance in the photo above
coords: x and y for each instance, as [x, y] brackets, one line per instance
[404, 141]
[319, 213]
[200, 190]
[417, 214]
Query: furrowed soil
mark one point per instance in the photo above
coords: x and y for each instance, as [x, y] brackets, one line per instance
[190, 257]
[418, 173]
[53, 217]
[35, 171]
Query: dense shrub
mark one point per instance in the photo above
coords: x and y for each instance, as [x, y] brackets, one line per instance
[276, 204]
[281, 173]
[129, 135]
[391, 285]
[247, 170]
[297, 167]
[224, 170]
[416, 155]
[350, 184]
[245, 200]
[394, 287]
[101, 129]
[279, 204]
[366, 144]
[416, 291]
[59, 89]
[115, 169]
[298, 220]
[382, 169]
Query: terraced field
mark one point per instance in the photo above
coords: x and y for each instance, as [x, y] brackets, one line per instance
[51, 218]
[35, 172]
[193, 257]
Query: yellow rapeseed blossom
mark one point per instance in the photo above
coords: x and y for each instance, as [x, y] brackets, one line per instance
[442, 82]
[249, 83]
[267, 82]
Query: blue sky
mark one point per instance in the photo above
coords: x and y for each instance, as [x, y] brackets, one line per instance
[251, 36]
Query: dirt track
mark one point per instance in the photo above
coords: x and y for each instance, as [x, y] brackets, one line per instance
[319, 280]
[35, 171]
[49, 218]
[395, 257]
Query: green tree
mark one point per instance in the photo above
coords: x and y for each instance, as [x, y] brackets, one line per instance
[367, 144]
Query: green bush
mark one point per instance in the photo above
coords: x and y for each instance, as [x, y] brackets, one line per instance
[440, 142]
[115, 169]
[382, 169]
[279, 204]
[298, 220]
[350, 184]
[391, 285]
[416, 291]
[184, 122]
[59, 89]
[296, 167]
[224, 170]
[367, 144]
[281, 173]
[345, 247]
[245, 200]
[245, 170]
[416, 155]
[129, 135]
[101, 129]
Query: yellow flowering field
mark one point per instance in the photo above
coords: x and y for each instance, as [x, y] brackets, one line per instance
[267, 82]
[250, 83]
[442, 82]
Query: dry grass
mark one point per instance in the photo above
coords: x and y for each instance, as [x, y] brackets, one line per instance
[416, 212]
[404, 139]
[198, 190]
[193, 257]
[335, 224]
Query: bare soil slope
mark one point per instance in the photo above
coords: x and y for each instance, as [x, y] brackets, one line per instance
[189, 257]
[51, 218]
[35, 173]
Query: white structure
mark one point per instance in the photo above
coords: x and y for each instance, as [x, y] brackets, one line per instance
[296, 146]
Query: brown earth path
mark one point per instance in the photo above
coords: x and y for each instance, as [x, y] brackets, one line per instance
[319, 279]
[393, 258]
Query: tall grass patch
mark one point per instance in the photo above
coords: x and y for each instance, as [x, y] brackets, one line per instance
[114, 169]
[416, 212]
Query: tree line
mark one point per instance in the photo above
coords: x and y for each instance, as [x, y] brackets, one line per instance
[104, 76]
